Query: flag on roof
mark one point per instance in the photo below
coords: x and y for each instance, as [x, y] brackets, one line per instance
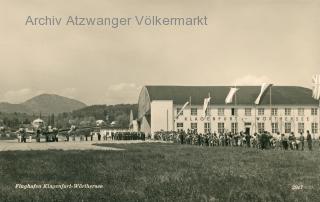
[263, 89]
[205, 105]
[316, 86]
[232, 92]
[181, 110]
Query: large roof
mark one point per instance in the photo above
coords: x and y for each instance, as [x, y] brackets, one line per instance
[246, 95]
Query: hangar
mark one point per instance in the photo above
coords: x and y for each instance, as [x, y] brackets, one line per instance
[283, 109]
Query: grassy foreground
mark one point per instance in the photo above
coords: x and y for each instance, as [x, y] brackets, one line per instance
[163, 172]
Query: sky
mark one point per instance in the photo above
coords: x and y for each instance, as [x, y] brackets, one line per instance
[246, 42]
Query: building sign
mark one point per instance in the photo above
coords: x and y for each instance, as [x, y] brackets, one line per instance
[234, 118]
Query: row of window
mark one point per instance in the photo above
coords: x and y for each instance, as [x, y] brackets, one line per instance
[261, 111]
[288, 127]
[261, 127]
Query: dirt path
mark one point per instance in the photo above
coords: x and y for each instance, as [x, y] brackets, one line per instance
[13, 145]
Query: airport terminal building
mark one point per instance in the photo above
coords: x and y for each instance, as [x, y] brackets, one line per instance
[283, 109]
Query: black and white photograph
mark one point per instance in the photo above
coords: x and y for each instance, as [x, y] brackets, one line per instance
[160, 100]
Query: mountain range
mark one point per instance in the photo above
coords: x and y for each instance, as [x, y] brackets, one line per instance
[44, 104]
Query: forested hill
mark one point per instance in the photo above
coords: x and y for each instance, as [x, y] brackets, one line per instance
[86, 116]
[119, 113]
[45, 104]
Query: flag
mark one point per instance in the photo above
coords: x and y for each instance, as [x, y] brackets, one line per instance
[232, 92]
[181, 110]
[316, 87]
[205, 105]
[264, 87]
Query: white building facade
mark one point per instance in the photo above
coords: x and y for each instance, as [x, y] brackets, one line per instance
[283, 109]
[282, 119]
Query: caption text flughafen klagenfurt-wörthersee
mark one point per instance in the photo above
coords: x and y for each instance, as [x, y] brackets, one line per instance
[116, 22]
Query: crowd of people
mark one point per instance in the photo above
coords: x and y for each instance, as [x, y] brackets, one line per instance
[55, 136]
[264, 140]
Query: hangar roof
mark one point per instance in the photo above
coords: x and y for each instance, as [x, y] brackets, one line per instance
[246, 95]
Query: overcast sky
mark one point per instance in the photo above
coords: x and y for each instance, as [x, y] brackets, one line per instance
[245, 42]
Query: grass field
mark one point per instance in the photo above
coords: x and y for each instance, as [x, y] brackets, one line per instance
[163, 172]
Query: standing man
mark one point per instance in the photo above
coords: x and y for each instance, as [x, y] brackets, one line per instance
[291, 137]
[38, 135]
[284, 142]
[181, 138]
[24, 135]
[301, 141]
[30, 137]
[309, 140]
[19, 136]
[248, 137]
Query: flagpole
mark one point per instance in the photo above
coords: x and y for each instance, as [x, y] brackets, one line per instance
[270, 97]
[190, 111]
[235, 107]
[318, 118]
[190, 104]
[209, 104]
[255, 118]
[167, 120]
[270, 103]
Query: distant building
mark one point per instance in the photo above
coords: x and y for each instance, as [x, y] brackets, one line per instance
[282, 109]
[100, 122]
[37, 123]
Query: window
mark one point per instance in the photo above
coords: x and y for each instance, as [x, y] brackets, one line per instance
[260, 111]
[247, 111]
[300, 127]
[275, 127]
[234, 112]
[220, 127]
[287, 127]
[314, 111]
[220, 111]
[194, 127]
[179, 126]
[314, 128]
[234, 128]
[300, 112]
[274, 111]
[178, 110]
[207, 128]
[287, 112]
[260, 127]
[194, 112]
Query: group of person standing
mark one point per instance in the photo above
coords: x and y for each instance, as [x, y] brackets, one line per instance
[264, 140]
[23, 135]
[296, 143]
[113, 136]
[54, 136]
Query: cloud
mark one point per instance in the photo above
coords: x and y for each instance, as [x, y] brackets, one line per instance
[21, 95]
[122, 86]
[252, 80]
[122, 93]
